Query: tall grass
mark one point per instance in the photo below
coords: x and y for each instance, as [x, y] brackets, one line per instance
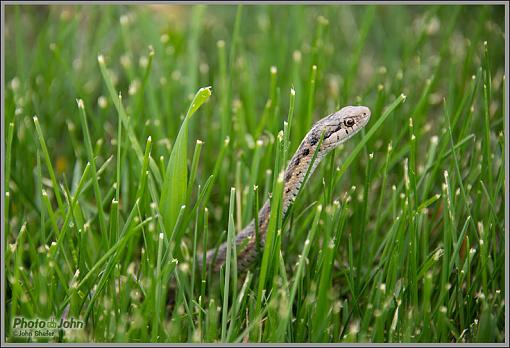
[397, 237]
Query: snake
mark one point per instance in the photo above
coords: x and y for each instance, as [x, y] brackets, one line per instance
[325, 135]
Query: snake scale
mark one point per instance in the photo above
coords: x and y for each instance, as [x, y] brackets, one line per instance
[335, 129]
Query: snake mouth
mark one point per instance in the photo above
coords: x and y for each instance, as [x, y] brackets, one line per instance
[364, 117]
[365, 114]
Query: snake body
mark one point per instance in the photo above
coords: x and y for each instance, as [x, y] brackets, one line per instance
[334, 130]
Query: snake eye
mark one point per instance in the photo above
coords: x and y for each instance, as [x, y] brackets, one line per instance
[349, 122]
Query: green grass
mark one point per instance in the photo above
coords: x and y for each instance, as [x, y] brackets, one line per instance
[397, 237]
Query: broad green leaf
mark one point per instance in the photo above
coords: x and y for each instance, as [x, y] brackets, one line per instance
[173, 193]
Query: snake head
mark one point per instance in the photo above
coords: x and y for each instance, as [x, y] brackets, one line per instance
[339, 126]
